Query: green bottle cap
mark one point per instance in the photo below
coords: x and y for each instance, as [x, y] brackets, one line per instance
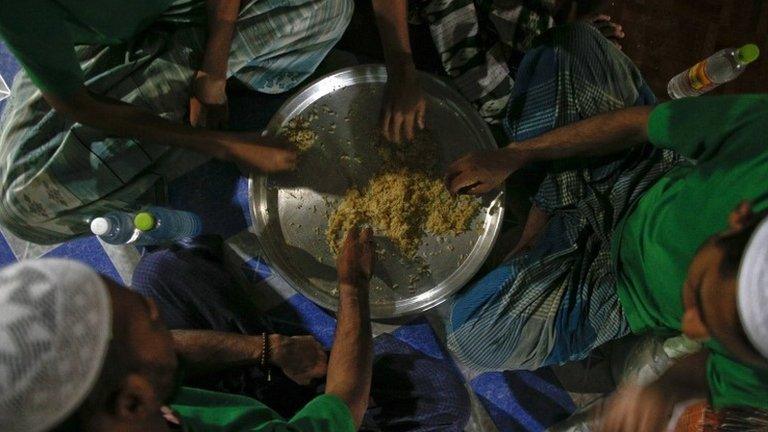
[748, 53]
[144, 221]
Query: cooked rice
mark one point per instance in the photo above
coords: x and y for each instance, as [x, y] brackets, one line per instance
[299, 134]
[405, 200]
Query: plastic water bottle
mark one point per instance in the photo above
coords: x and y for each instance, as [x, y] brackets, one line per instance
[162, 225]
[721, 67]
[115, 228]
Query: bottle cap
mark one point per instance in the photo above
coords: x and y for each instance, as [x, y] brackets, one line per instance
[748, 53]
[144, 221]
[100, 226]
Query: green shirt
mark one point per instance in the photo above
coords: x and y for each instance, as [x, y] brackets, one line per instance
[42, 34]
[726, 137]
[206, 411]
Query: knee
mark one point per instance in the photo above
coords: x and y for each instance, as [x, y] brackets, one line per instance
[490, 357]
[468, 348]
[498, 342]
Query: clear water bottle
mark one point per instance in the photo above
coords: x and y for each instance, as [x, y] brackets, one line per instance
[115, 228]
[723, 66]
[162, 225]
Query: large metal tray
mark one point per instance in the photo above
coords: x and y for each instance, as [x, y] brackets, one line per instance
[290, 211]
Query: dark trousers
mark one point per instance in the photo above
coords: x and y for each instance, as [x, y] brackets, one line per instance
[411, 391]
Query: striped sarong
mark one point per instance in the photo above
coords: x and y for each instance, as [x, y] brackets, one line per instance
[558, 301]
[55, 174]
[480, 43]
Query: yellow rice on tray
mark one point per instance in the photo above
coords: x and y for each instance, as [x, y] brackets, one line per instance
[297, 131]
[405, 200]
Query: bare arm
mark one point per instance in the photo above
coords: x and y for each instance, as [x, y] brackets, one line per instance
[392, 21]
[208, 104]
[349, 369]
[300, 357]
[404, 105]
[222, 16]
[121, 119]
[207, 351]
[597, 136]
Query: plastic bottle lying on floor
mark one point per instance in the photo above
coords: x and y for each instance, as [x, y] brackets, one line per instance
[116, 228]
[719, 68]
[162, 225]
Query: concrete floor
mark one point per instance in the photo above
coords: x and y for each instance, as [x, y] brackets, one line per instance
[665, 37]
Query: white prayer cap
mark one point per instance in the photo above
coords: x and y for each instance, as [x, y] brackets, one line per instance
[752, 291]
[55, 327]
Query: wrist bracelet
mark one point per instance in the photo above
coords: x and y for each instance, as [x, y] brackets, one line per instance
[265, 366]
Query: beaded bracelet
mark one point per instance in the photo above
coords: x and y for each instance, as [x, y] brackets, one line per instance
[265, 366]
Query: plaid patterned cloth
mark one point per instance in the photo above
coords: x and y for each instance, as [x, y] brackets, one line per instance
[558, 302]
[55, 174]
[480, 42]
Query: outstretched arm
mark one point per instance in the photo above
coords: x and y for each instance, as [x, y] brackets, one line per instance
[121, 119]
[349, 368]
[604, 134]
[404, 104]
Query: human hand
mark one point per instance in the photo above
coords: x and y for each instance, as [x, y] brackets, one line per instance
[301, 358]
[403, 108]
[208, 102]
[356, 260]
[636, 408]
[614, 32]
[479, 172]
[254, 151]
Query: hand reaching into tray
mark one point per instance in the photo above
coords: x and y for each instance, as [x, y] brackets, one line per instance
[479, 172]
[403, 109]
[267, 154]
[357, 257]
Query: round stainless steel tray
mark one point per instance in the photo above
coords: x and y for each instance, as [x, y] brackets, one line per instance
[290, 211]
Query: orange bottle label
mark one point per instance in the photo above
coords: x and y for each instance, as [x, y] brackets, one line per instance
[698, 78]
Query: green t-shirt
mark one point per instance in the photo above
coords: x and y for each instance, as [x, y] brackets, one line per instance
[206, 411]
[42, 34]
[726, 137]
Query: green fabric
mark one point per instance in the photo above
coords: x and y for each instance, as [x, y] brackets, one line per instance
[725, 138]
[732, 383]
[206, 411]
[42, 34]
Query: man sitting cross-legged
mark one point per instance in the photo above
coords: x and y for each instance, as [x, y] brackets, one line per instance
[625, 235]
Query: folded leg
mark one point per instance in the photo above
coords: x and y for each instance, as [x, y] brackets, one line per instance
[558, 301]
